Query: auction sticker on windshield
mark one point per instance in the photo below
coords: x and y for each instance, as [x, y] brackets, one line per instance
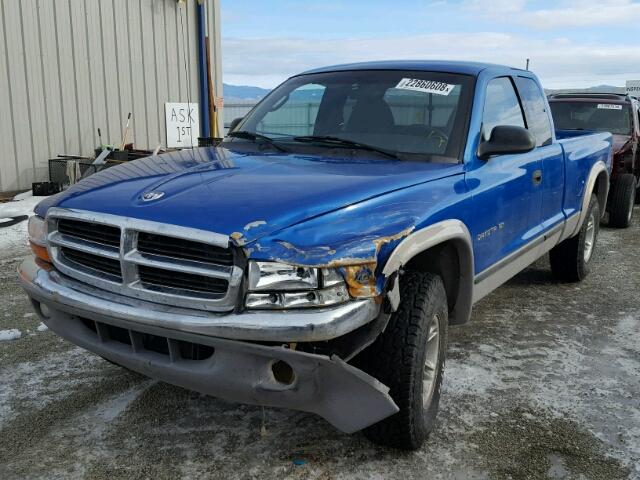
[425, 86]
[609, 106]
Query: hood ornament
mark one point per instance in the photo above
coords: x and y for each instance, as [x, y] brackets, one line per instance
[150, 196]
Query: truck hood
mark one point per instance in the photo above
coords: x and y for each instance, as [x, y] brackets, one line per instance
[242, 195]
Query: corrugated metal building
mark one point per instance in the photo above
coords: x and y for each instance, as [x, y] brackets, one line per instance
[69, 67]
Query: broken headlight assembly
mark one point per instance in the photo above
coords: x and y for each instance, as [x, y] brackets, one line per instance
[274, 285]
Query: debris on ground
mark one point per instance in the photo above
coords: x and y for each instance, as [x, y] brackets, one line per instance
[11, 334]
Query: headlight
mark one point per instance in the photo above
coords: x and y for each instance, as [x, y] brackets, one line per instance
[279, 285]
[37, 230]
[38, 237]
[280, 276]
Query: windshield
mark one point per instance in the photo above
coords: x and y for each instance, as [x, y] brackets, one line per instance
[598, 117]
[414, 115]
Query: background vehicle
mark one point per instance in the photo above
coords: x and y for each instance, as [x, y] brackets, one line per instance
[317, 263]
[615, 113]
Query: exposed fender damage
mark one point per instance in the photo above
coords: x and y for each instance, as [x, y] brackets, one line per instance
[254, 224]
[357, 239]
[358, 261]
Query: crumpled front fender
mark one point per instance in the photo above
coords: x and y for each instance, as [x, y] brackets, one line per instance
[355, 240]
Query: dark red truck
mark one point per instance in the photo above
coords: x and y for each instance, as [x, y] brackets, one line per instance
[620, 115]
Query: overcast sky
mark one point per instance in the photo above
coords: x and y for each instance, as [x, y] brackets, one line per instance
[570, 43]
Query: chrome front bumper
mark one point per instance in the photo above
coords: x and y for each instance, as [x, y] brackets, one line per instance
[46, 285]
[238, 371]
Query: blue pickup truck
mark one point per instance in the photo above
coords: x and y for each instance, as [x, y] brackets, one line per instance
[316, 259]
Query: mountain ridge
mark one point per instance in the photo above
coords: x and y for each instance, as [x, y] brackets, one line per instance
[594, 89]
[243, 92]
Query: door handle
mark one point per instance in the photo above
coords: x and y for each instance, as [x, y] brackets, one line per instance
[537, 177]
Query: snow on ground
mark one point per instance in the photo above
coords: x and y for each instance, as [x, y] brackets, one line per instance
[11, 334]
[42, 327]
[15, 236]
[22, 204]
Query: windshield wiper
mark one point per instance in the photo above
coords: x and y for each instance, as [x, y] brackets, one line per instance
[256, 136]
[343, 142]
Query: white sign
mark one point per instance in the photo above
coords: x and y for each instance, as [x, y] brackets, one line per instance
[425, 86]
[633, 87]
[183, 124]
[609, 106]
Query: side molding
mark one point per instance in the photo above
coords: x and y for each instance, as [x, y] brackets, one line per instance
[596, 170]
[421, 240]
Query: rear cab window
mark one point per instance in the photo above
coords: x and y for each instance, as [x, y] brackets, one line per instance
[597, 115]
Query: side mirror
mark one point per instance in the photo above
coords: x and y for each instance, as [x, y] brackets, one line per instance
[234, 123]
[507, 139]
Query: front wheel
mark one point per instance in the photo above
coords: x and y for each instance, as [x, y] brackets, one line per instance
[409, 358]
[570, 259]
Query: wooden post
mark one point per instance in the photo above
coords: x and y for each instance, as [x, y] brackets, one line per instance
[213, 109]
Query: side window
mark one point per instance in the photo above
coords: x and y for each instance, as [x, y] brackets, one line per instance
[535, 110]
[294, 114]
[501, 106]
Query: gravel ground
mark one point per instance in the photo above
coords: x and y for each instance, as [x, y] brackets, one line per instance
[543, 383]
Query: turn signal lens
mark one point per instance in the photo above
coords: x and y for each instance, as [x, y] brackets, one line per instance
[40, 252]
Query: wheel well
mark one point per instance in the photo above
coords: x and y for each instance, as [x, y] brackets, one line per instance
[442, 260]
[601, 189]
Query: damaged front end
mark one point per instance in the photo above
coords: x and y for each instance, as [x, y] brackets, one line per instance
[275, 376]
[308, 299]
[328, 261]
[291, 358]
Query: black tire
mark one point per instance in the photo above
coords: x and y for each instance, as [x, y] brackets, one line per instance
[621, 201]
[397, 359]
[569, 261]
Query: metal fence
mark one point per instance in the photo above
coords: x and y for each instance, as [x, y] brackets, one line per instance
[295, 118]
[235, 110]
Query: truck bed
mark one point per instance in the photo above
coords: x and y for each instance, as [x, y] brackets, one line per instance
[582, 149]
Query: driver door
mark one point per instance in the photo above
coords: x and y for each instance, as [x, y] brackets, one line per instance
[507, 193]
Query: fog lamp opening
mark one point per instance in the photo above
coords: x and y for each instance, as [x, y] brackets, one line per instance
[41, 309]
[283, 372]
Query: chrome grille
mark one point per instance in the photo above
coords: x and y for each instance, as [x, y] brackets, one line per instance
[182, 281]
[92, 232]
[152, 261]
[181, 248]
[94, 262]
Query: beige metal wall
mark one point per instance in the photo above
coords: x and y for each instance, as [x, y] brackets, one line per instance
[69, 67]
